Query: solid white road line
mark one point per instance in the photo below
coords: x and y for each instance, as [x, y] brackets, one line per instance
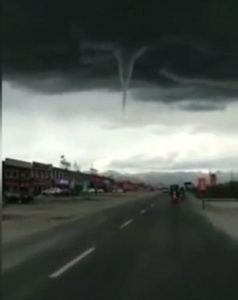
[143, 211]
[72, 263]
[126, 223]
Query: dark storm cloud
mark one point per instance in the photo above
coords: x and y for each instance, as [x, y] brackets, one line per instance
[218, 83]
[190, 98]
[49, 34]
[72, 44]
[202, 106]
[59, 83]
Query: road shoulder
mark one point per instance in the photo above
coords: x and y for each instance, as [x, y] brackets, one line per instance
[223, 215]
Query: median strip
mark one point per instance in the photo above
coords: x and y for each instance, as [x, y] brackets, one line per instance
[72, 263]
[126, 224]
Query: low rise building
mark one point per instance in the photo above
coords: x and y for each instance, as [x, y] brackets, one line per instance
[101, 182]
[127, 185]
[17, 177]
[41, 175]
[36, 177]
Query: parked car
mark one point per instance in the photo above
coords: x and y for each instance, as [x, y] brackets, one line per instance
[11, 196]
[54, 191]
[17, 197]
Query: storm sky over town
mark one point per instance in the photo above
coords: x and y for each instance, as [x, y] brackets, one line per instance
[62, 86]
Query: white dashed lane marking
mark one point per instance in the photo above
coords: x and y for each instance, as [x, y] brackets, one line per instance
[126, 224]
[72, 263]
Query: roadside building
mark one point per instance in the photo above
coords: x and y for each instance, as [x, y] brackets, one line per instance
[108, 184]
[212, 179]
[16, 177]
[86, 181]
[64, 178]
[41, 175]
[74, 181]
[202, 184]
[99, 182]
[78, 182]
[127, 186]
[36, 177]
[60, 177]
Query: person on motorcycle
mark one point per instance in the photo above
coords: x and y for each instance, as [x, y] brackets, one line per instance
[182, 192]
[174, 192]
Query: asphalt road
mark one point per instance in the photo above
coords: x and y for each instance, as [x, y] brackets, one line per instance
[146, 250]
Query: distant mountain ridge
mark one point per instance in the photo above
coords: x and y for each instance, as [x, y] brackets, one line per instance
[166, 178]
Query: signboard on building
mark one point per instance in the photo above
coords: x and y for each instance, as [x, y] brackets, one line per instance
[62, 182]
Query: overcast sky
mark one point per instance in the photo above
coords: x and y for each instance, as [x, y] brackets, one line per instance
[66, 62]
[89, 128]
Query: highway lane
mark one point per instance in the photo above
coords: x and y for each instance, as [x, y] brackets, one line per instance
[150, 251]
[28, 264]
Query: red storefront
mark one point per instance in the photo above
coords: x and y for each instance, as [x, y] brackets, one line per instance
[127, 186]
[16, 177]
[101, 182]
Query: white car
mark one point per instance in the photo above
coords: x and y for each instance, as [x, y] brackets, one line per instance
[52, 191]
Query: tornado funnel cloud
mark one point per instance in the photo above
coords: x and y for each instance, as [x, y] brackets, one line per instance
[126, 64]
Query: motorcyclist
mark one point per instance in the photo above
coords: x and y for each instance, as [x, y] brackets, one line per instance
[181, 192]
[174, 192]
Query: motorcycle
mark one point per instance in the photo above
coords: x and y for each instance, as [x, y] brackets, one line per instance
[175, 198]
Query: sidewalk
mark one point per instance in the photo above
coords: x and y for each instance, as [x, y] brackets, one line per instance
[22, 221]
[223, 215]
